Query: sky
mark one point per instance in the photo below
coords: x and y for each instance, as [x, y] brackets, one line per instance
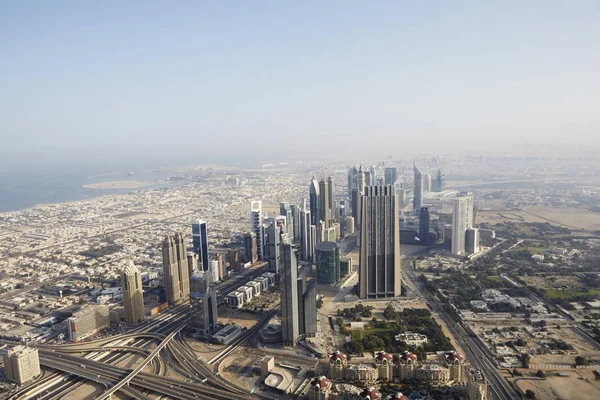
[196, 80]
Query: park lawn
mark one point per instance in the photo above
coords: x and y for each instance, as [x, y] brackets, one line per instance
[356, 335]
[570, 294]
[536, 250]
[381, 332]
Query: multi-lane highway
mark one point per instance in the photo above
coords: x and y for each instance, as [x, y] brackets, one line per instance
[475, 351]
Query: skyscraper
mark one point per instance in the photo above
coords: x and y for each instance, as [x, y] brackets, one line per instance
[379, 274]
[324, 201]
[286, 211]
[427, 182]
[314, 201]
[390, 175]
[295, 221]
[175, 270]
[256, 225]
[424, 225]
[459, 225]
[307, 304]
[290, 329]
[331, 198]
[472, 240]
[352, 180]
[360, 181]
[470, 214]
[306, 244]
[437, 184]
[418, 191]
[203, 299]
[272, 249]
[133, 294]
[251, 248]
[328, 262]
[200, 243]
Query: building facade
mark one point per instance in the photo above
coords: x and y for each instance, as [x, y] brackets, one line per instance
[290, 329]
[256, 225]
[250, 248]
[175, 270]
[200, 243]
[87, 321]
[133, 294]
[21, 364]
[314, 201]
[203, 300]
[328, 262]
[385, 365]
[379, 265]
[418, 190]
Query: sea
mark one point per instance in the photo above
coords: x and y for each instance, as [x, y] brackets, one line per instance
[24, 188]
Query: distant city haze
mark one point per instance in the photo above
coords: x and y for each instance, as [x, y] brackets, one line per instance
[193, 81]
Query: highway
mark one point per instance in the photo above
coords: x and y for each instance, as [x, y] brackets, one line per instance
[475, 352]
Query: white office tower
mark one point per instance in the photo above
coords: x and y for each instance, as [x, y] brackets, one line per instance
[257, 227]
[214, 270]
[306, 244]
[470, 217]
[459, 225]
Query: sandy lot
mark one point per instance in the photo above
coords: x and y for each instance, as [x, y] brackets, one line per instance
[87, 391]
[118, 185]
[564, 388]
[244, 319]
[573, 218]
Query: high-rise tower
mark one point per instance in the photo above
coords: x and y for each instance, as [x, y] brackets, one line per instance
[175, 270]
[418, 191]
[390, 175]
[324, 201]
[314, 201]
[133, 294]
[290, 329]
[256, 224]
[360, 181]
[203, 298]
[424, 225]
[459, 225]
[379, 274]
[200, 243]
[306, 243]
[331, 198]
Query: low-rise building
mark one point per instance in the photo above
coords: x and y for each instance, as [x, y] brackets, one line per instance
[385, 365]
[337, 365]
[228, 334]
[235, 299]
[435, 374]
[361, 374]
[477, 387]
[411, 338]
[407, 366]
[319, 388]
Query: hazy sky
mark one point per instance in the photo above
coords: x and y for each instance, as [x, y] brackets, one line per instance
[113, 79]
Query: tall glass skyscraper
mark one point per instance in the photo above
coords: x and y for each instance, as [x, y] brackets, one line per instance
[200, 243]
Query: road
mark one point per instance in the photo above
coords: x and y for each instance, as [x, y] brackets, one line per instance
[475, 352]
